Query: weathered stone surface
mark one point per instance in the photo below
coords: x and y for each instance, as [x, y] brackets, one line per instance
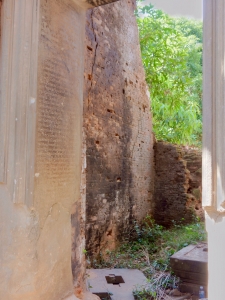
[58, 142]
[117, 125]
[42, 63]
[193, 159]
[78, 227]
[177, 193]
[191, 288]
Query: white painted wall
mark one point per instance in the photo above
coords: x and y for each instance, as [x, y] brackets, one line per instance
[187, 8]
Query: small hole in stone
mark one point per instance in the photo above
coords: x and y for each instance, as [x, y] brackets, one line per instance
[89, 76]
[118, 179]
[113, 279]
[97, 142]
[109, 232]
[89, 48]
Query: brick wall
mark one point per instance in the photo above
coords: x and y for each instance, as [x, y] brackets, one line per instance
[177, 194]
[117, 124]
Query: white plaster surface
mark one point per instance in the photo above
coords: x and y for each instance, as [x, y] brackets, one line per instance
[216, 258]
[214, 144]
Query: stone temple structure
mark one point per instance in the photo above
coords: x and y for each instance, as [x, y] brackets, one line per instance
[41, 117]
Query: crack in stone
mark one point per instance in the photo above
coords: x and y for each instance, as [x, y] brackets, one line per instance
[95, 55]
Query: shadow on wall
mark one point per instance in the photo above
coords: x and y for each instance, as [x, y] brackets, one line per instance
[109, 203]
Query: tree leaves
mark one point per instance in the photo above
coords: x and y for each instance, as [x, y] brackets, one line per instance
[172, 57]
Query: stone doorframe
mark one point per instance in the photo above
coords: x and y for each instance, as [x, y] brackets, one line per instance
[214, 108]
[213, 160]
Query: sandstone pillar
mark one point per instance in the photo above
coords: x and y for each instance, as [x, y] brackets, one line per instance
[117, 125]
[41, 90]
[214, 142]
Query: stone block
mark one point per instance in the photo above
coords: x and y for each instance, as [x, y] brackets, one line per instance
[182, 297]
[191, 288]
[97, 283]
[191, 263]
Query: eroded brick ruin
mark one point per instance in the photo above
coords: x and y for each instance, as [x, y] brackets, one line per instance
[117, 126]
[177, 192]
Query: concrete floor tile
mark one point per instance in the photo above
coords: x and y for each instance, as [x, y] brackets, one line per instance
[96, 282]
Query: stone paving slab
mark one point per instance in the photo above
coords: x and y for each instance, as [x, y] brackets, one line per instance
[96, 282]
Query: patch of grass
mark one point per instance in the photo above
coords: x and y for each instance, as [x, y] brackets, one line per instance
[143, 295]
[151, 245]
[149, 251]
[158, 287]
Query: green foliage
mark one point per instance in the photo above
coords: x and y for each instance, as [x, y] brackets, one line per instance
[150, 251]
[151, 242]
[143, 294]
[172, 57]
[149, 231]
